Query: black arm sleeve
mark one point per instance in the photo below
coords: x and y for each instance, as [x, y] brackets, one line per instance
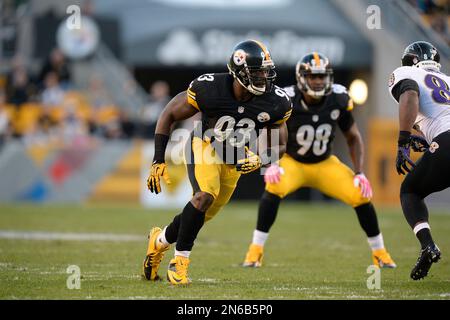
[403, 86]
[345, 121]
[161, 141]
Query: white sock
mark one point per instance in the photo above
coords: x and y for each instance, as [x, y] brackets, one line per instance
[376, 242]
[420, 226]
[162, 238]
[260, 237]
[182, 253]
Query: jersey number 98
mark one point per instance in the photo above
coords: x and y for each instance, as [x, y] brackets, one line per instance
[318, 139]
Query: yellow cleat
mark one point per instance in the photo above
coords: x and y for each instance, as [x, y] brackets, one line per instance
[254, 256]
[155, 253]
[177, 272]
[382, 259]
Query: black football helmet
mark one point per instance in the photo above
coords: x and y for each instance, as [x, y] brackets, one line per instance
[421, 54]
[314, 63]
[251, 65]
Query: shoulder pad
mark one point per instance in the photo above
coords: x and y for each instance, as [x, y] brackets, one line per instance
[290, 91]
[339, 89]
[199, 89]
[283, 109]
[342, 97]
[403, 73]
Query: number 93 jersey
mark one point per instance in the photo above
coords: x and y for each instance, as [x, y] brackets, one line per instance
[312, 127]
[434, 98]
[229, 124]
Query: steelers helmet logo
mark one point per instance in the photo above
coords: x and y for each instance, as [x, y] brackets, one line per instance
[263, 117]
[335, 114]
[239, 57]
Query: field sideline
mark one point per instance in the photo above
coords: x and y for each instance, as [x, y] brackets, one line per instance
[313, 252]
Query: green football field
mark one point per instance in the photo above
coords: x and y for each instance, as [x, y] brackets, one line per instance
[313, 252]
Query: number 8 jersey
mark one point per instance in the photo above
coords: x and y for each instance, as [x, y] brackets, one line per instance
[312, 127]
[434, 98]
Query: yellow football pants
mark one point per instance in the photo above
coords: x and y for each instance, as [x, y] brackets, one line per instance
[329, 176]
[208, 173]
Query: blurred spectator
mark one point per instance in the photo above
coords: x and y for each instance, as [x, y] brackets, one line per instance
[158, 99]
[74, 131]
[56, 63]
[105, 118]
[18, 86]
[5, 121]
[439, 23]
[46, 129]
[53, 94]
[46, 123]
[128, 126]
[97, 94]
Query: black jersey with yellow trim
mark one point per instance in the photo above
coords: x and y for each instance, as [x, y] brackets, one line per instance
[312, 128]
[231, 124]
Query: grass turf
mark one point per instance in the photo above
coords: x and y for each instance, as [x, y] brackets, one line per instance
[313, 252]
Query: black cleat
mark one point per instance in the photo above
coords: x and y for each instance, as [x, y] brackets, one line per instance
[427, 256]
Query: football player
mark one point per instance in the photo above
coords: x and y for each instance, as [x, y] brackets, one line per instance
[423, 97]
[234, 106]
[319, 106]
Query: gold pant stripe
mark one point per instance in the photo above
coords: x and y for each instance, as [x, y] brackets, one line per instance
[190, 165]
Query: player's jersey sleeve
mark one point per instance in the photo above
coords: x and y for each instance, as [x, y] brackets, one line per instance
[290, 91]
[345, 121]
[283, 109]
[344, 100]
[345, 104]
[197, 91]
[402, 79]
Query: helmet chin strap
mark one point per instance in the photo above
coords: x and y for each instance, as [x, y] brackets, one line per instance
[310, 92]
[315, 94]
[256, 90]
[250, 88]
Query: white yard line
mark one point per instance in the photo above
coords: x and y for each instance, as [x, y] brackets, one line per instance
[42, 235]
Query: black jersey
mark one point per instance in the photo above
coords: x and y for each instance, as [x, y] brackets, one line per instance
[312, 128]
[229, 124]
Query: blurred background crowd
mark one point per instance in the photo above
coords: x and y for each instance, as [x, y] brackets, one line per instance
[45, 105]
